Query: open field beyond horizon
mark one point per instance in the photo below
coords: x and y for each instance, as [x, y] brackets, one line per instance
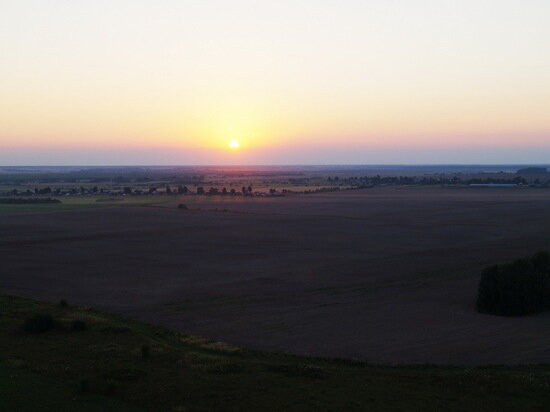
[387, 275]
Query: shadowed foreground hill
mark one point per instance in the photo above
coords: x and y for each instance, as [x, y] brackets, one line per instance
[93, 361]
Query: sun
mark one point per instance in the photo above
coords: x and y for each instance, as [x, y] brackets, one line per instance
[234, 144]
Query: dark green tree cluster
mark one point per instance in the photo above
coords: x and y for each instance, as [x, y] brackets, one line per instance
[30, 201]
[518, 288]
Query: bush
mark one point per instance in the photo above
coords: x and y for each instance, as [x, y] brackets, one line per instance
[145, 351]
[182, 206]
[541, 261]
[85, 385]
[225, 368]
[78, 325]
[63, 303]
[115, 330]
[110, 389]
[39, 324]
[518, 288]
[297, 370]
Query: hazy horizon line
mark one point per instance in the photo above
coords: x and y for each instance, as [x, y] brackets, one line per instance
[279, 165]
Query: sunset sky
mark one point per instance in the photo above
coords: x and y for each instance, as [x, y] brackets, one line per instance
[274, 82]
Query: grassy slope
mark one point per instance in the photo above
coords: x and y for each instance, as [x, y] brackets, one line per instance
[186, 373]
[23, 391]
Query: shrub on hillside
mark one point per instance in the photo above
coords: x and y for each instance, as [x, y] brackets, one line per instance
[78, 325]
[519, 288]
[39, 324]
[85, 385]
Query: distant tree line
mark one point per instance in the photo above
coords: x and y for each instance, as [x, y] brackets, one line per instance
[368, 181]
[232, 191]
[519, 288]
[314, 185]
[56, 191]
[104, 175]
[129, 190]
[32, 201]
[533, 171]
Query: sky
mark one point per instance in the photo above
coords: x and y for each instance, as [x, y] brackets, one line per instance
[128, 82]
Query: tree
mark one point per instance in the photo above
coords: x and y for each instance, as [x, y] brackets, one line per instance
[517, 288]
[168, 190]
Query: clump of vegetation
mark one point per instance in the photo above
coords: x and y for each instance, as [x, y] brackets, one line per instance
[85, 386]
[519, 288]
[110, 199]
[63, 303]
[297, 370]
[110, 389]
[225, 368]
[182, 206]
[115, 330]
[39, 323]
[145, 351]
[30, 201]
[78, 325]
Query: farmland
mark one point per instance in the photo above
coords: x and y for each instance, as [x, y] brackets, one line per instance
[386, 275]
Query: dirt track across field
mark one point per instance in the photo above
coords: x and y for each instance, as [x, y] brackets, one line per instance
[387, 275]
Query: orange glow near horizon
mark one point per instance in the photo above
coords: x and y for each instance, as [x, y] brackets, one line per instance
[352, 82]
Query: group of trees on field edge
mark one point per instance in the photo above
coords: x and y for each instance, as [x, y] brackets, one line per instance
[32, 201]
[518, 288]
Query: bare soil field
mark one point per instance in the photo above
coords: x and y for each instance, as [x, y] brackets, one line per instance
[386, 275]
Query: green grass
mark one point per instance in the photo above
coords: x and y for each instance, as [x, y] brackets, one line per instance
[23, 391]
[195, 374]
